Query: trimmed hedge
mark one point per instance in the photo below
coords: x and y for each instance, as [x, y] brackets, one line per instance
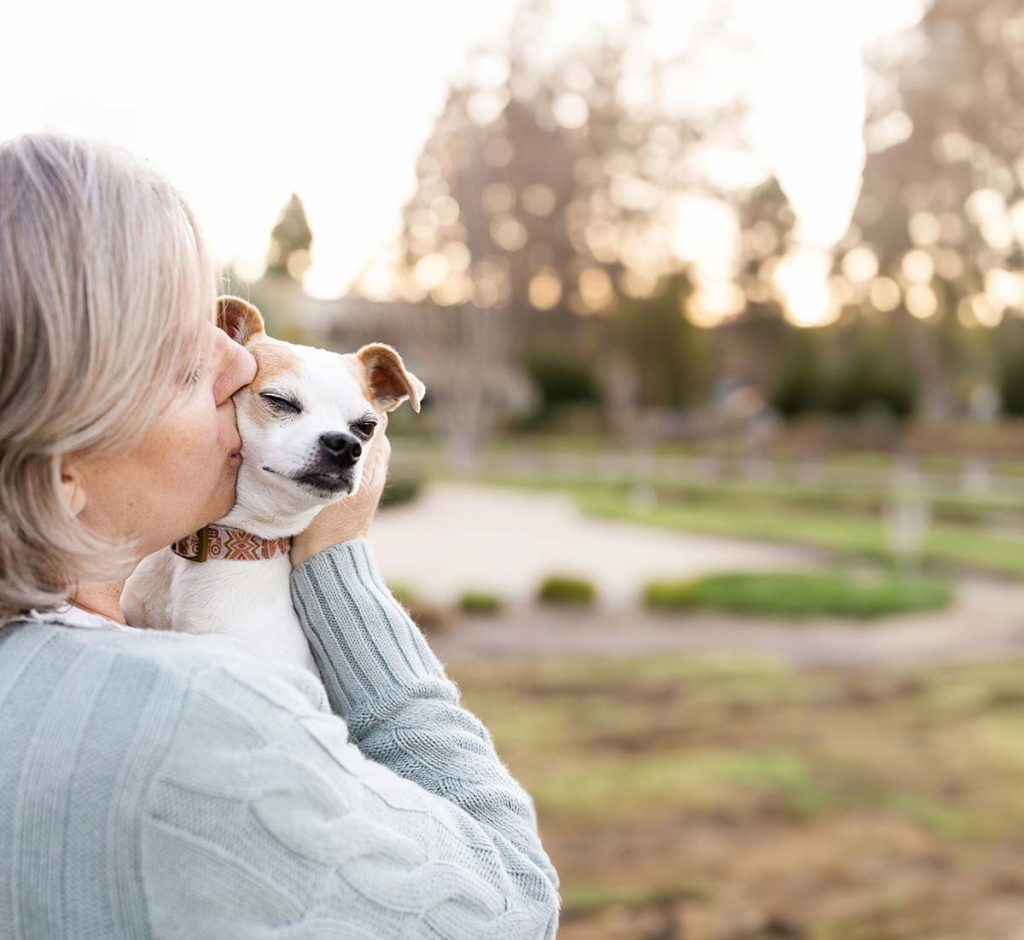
[801, 594]
[480, 602]
[430, 617]
[568, 590]
[400, 490]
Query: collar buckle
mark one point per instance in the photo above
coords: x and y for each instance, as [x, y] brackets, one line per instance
[194, 547]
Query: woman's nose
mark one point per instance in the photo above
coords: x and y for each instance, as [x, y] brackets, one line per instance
[238, 370]
[247, 368]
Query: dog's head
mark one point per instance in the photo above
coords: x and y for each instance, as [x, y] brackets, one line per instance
[308, 418]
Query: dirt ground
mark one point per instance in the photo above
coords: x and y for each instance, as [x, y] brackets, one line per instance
[854, 878]
[709, 777]
[682, 799]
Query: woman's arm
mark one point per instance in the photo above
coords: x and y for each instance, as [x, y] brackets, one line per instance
[401, 709]
[380, 675]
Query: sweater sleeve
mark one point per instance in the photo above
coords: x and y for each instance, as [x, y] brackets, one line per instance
[401, 709]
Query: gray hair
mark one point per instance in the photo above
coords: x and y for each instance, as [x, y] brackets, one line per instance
[105, 284]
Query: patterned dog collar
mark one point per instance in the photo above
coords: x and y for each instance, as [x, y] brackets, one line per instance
[225, 542]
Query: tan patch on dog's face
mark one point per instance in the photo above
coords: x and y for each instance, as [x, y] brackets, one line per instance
[273, 360]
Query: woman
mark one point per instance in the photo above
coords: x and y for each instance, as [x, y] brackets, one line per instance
[162, 784]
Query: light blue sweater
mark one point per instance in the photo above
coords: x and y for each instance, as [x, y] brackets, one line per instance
[155, 784]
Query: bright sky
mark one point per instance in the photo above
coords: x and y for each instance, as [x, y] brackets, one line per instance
[243, 103]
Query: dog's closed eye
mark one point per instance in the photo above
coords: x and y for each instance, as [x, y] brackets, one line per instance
[281, 404]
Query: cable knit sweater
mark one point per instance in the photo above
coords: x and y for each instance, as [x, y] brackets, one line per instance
[155, 784]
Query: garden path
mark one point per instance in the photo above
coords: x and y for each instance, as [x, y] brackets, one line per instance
[461, 536]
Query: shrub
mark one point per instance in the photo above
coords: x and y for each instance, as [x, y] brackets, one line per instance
[432, 618]
[800, 386]
[802, 594]
[877, 376]
[1010, 375]
[480, 602]
[670, 595]
[405, 594]
[564, 589]
[400, 490]
[561, 377]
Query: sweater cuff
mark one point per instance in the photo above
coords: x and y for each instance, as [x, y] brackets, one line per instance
[371, 655]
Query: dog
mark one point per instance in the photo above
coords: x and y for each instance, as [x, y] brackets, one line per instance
[306, 423]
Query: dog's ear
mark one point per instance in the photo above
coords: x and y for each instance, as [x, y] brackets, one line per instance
[238, 318]
[389, 381]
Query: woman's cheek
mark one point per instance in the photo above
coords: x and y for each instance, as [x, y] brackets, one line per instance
[204, 427]
[190, 443]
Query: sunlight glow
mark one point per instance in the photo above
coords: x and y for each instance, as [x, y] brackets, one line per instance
[802, 279]
[345, 130]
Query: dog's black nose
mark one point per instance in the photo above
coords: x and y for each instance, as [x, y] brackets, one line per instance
[345, 448]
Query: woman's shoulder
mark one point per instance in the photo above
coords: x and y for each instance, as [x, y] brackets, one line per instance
[54, 637]
[120, 746]
[109, 703]
[102, 669]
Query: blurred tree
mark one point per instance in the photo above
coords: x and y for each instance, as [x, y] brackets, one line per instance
[945, 135]
[801, 380]
[278, 292]
[746, 350]
[766, 222]
[475, 383]
[561, 379]
[1010, 368]
[545, 184]
[876, 373]
[938, 228]
[290, 241]
[665, 350]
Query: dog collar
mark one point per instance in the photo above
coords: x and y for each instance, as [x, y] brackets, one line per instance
[228, 543]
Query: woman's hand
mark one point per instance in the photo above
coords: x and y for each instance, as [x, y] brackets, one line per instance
[348, 518]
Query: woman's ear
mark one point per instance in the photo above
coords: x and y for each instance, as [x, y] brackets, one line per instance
[238, 318]
[390, 383]
[72, 487]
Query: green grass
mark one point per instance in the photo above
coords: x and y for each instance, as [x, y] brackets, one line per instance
[944, 506]
[946, 543]
[801, 594]
[831, 497]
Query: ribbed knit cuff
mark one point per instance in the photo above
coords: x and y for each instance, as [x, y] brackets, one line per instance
[371, 655]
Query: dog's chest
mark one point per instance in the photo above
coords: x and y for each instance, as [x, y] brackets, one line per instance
[249, 600]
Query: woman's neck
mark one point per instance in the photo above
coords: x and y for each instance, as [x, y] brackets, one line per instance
[102, 599]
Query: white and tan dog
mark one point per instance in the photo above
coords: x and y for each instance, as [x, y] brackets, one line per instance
[306, 421]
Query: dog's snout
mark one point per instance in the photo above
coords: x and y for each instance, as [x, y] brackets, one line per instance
[341, 446]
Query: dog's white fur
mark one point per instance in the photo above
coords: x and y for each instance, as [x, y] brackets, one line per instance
[251, 600]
